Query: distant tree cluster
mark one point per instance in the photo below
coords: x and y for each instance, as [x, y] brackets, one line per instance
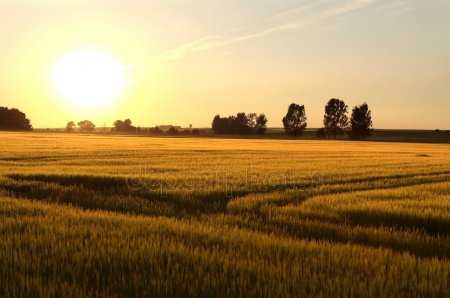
[335, 121]
[86, 126]
[13, 119]
[242, 123]
[83, 126]
[124, 126]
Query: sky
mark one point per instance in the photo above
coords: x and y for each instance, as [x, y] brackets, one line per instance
[187, 61]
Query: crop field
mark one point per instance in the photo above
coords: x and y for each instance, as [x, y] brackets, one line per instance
[118, 216]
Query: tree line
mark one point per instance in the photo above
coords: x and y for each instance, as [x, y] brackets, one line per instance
[335, 121]
[89, 126]
[126, 126]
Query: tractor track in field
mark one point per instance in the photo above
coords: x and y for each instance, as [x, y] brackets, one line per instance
[39, 186]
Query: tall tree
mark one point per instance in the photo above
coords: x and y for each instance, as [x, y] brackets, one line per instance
[295, 120]
[335, 120]
[13, 119]
[361, 121]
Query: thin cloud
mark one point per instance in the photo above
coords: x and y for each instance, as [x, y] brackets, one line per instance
[299, 14]
[396, 8]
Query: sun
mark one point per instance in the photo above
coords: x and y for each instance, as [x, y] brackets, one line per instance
[89, 78]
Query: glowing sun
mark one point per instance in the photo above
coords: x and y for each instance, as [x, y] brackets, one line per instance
[89, 78]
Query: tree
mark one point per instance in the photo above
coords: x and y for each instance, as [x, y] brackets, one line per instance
[86, 126]
[124, 126]
[261, 122]
[242, 124]
[335, 120]
[361, 121]
[70, 126]
[128, 124]
[13, 119]
[219, 125]
[295, 120]
[118, 124]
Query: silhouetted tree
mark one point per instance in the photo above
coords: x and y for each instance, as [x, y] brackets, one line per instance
[124, 126]
[261, 122]
[70, 126]
[13, 119]
[295, 120]
[335, 120]
[219, 125]
[361, 121]
[240, 124]
[86, 126]
[127, 123]
[118, 124]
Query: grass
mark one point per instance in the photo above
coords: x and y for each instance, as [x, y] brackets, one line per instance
[110, 216]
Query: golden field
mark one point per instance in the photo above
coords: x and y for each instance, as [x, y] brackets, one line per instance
[122, 216]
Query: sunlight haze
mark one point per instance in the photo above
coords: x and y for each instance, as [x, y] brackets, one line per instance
[182, 62]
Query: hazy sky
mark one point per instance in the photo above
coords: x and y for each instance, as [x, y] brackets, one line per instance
[190, 60]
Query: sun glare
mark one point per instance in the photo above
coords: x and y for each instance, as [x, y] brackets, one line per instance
[89, 78]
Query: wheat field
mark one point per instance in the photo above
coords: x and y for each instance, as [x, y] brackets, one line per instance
[123, 216]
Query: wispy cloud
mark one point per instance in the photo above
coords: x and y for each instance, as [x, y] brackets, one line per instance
[302, 16]
[396, 7]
